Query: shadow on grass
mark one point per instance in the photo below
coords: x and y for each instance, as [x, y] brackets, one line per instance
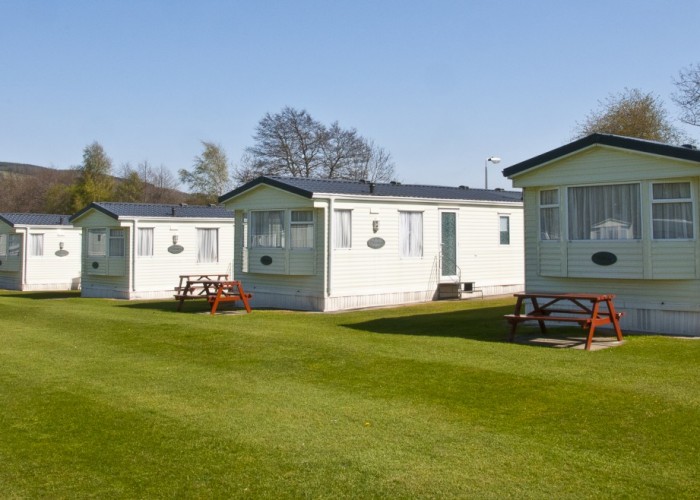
[486, 325]
[190, 306]
[47, 295]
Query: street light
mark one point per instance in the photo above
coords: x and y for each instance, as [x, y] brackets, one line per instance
[494, 160]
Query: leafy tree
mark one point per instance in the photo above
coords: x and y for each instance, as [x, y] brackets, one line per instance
[293, 144]
[210, 174]
[688, 95]
[95, 182]
[131, 188]
[632, 113]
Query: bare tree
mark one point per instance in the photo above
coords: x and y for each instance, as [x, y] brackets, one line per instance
[291, 143]
[376, 165]
[632, 113]
[288, 143]
[688, 95]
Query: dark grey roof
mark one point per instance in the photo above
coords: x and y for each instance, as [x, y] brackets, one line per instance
[641, 145]
[14, 219]
[310, 187]
[117, 210]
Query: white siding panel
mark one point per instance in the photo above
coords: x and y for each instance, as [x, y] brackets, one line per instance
[673, 260]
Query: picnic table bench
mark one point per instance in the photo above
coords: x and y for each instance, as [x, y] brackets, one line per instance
[215, 288]
[582, 308]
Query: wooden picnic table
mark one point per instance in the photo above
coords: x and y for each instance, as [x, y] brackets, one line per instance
[215, 289]
[582, 308]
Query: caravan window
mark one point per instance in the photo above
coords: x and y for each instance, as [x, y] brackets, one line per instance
[116, 242]
[97, 242]
[36, 245]
[301, 229]
[267, 229]
[411, 234]
[207, 245]
[13, 244]
[504, 221]
[343, 229]
[549, 215]
[672, 211]
[610, 212]
[145, 242]
[3, 245]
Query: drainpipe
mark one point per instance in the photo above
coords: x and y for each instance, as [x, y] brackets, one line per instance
[329, 243]
[132, 275]
[25, 255]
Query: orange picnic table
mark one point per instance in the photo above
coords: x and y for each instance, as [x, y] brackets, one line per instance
[215, 289]
[589, 310]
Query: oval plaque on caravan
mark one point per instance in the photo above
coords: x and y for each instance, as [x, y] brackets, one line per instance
[375, 243]
[175, 249]
[604, 258]
[61, 253]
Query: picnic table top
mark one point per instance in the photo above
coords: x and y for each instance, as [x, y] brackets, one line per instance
[567, 295]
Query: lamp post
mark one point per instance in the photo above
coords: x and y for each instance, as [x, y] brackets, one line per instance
[494, 160]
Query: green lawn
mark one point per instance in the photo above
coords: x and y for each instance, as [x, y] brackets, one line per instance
[107, 398]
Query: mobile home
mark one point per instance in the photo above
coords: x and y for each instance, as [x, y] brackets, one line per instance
[39, 252]
[138, 251]
[612, 214]
[327, 245]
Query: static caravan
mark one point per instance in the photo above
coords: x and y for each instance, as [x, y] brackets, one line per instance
[138, 251]
[39, 252]
[612, 214]
[327, 245]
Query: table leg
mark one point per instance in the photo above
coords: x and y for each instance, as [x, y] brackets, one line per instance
[537, 311]
[514, 323]
[614, 319]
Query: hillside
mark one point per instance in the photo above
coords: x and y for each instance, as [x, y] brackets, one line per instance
[36, 189]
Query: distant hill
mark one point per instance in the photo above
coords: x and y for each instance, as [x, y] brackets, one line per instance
[36, 189]
[31, 170]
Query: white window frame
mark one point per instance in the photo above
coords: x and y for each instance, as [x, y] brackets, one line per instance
[117, 241]
[411, 244]
[262, 240]
[36, 244]
[296, 225]
[655, 202]
[145, 247]
[3, 245]
[501, 232]
[92, 248]
[546, 233]
[342, 225]
[213, 254]
[636, 225]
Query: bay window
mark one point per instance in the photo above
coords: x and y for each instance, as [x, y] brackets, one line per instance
[267, 229]
[610, 212]
[97, 242]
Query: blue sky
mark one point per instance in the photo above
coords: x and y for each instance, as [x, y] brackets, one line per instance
[442, 85]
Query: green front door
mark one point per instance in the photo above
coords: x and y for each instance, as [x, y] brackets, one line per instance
[448, 241]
